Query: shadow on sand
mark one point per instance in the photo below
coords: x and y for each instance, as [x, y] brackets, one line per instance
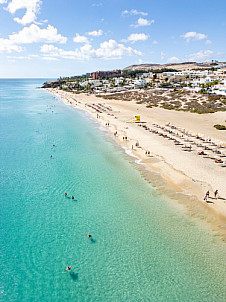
[208, 201]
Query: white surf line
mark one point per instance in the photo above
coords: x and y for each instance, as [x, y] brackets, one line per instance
[129, 152]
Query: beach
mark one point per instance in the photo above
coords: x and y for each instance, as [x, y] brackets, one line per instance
[166, 142]
[148, 241]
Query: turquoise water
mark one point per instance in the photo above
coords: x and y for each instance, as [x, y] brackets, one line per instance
[142, 248]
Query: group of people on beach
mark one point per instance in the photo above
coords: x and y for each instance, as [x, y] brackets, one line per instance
[208, 194]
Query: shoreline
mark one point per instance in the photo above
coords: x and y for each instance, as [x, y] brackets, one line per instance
[173, 164]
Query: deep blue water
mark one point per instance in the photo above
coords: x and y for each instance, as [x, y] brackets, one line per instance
[141, 249]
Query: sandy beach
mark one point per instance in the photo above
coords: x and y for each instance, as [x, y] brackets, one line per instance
[167, 142]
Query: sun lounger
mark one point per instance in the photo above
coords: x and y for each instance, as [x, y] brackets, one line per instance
[222, 165]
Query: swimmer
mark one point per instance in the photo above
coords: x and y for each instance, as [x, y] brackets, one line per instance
[68, 268]
[65, 194]
[89, 236]
[51, 156]
[72, 197]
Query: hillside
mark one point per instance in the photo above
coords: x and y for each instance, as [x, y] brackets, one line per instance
[177, 66]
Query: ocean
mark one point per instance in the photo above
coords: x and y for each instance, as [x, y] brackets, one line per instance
[142, 248]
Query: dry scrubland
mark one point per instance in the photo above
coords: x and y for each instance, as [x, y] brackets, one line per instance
[173, 100]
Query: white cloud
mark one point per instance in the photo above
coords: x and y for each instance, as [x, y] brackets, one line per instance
[41, 22]
[34, 34]
[173, 60]
[192, 35]
[31, 34]
[155, 42]
[95, 33]
[133, 12]
[112, 49]
[142, 22]
[3, 1]
[17, 58]
[163, 54]
[34, 56]
[53, 50]
[97, 4]
[7, 46]
[140, 61]
[28, 57]
[107, 50]
[208, 42]
[136, 37]
[50, 59]
[201, 55]
[80, 39]
[32, 8]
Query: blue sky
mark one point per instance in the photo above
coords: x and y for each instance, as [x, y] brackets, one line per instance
[52, 38]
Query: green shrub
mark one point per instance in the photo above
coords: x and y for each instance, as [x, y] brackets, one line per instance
[220, 127]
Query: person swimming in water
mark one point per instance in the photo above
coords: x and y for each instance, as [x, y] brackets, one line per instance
[89, 236]
[68, 268]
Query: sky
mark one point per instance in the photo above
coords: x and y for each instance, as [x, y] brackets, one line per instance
[53, 38]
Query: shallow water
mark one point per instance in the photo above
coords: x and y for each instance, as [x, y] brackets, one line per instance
[142, 248]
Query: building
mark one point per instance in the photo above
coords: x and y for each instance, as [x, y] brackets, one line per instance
[105, 74]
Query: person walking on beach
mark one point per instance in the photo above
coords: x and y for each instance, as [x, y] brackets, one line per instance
[216, 193]
[205, 198]
[207, 193]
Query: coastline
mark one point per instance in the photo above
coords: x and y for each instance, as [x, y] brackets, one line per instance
[170, 161]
